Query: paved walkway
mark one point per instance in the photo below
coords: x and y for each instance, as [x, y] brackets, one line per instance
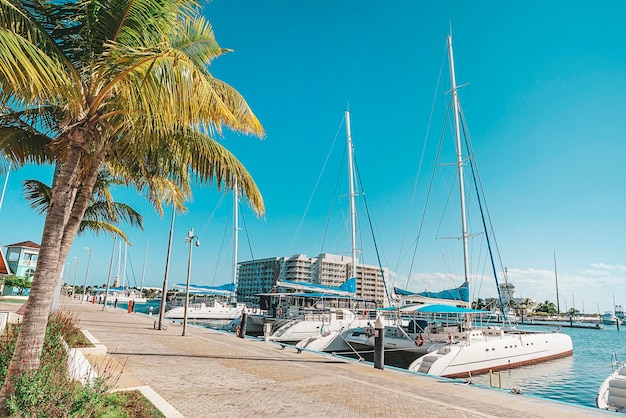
[214, 374]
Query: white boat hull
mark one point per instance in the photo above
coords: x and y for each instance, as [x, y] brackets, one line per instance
[292, 331]
[612, 392]
[475, 352]
[202, 311]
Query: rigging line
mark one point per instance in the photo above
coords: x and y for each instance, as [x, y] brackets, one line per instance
[130, 263]
[419, 169]
[369, 219]
[470, 149]
[256, 270]
[428, 194]
[332, 202]
[308, 205]
[219, 204]
[219, 254]
[482, 216]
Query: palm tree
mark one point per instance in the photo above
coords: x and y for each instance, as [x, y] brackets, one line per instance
[101, 215]
[120, 83]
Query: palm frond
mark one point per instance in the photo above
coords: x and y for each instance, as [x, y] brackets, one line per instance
[113, 212]
[99, 227]
[23, 146]
[38, 194]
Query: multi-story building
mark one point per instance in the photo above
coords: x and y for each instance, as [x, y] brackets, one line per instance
[22, 258]
[260, 276]
[257, 276]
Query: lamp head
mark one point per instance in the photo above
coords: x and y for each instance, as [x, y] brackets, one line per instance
[197, 242]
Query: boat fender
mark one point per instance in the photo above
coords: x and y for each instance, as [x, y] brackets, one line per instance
[419, 340]
[364, 314]
[368, 332]
[238, 331]
[450, 339]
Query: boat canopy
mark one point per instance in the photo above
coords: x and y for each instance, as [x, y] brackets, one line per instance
[460, 293]
[225, 289]
[114, 290]
[440, 309]
[348, 288]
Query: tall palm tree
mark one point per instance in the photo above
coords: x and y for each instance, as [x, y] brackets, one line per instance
[120, 83]
[101, 215]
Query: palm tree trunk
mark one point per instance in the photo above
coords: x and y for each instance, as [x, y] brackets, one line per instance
[27, 354]
[78, 210]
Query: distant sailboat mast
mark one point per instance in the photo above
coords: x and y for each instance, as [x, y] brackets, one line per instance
[352, 194]
[556, 279]
[459, 157]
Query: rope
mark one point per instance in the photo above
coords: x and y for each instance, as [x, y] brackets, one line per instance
[419, 170]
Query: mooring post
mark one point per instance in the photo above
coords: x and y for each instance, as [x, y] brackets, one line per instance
[379, 348]
[242, 325]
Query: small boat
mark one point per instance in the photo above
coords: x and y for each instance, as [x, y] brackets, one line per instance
[215, 307]
[120, 295]
[317, 312]
[619, 313]
[612, 392]
[609, 318]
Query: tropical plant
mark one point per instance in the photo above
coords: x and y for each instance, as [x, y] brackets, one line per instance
[101, 215]
[547, 307]
[119, 83]
[20, 282]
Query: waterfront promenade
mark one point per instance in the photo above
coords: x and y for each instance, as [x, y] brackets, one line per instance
[214, 374]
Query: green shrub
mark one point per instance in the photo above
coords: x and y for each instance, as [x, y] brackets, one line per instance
[49, 392]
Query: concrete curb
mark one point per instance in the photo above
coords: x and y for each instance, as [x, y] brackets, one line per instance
[98, 349]
[161, 404]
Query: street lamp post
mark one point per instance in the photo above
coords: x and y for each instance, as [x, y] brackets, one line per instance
[167, 267]
[86, 275]
[190, 238]
[75, 274]
[106, 290]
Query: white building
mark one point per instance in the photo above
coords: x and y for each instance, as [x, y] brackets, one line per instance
[260, 276]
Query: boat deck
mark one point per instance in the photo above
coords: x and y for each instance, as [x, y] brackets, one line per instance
[210, 373]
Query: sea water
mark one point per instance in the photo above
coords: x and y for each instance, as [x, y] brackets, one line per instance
[574, 379]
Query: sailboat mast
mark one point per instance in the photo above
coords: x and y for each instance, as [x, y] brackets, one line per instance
[352, 194]
[119, 266]
[556, 279]
[124, 271]
[459, 157]
[145, 259]
[236, 231]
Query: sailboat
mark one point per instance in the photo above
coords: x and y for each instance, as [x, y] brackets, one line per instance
[222, 305]
[324, 311]
[120, 292]
[473, 350]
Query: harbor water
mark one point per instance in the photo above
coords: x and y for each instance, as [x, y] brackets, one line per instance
[573, 379]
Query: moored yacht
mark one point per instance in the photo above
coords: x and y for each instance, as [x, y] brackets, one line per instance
[474, 350]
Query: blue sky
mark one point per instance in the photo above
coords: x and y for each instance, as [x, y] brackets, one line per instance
[544, 103]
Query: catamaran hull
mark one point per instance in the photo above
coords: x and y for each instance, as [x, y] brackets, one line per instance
[507, 351]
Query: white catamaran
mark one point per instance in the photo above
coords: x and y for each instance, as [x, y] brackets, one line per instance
[222, 305]
[471, 350]
[331, 310]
